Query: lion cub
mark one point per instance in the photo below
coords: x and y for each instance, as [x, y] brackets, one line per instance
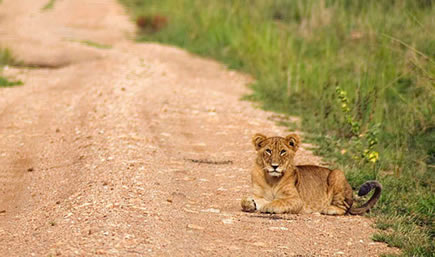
[278, 186]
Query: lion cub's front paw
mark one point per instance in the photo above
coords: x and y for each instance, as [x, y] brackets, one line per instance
[268, 208]
[248, 204]
[274, 208]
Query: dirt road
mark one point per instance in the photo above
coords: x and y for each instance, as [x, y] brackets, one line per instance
[96, 148]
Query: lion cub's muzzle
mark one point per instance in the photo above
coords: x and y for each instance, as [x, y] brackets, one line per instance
[275, 170]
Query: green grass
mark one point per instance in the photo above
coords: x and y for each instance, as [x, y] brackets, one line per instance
[380, 53]
[95, 44]
[4, 82]
[7, 59]
[48, 5]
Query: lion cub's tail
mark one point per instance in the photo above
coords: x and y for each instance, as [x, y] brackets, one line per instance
[365, 189]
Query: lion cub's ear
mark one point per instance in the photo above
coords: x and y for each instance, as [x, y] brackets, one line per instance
[293, 141]
[257, 139]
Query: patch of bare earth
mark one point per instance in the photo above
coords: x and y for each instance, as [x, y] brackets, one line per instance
[135, 150]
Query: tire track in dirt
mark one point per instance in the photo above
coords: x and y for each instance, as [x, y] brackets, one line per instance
[109, 137]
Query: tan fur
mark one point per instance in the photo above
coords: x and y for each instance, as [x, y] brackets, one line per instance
[278, 186]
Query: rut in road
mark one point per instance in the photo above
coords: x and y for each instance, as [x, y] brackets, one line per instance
[137, 149]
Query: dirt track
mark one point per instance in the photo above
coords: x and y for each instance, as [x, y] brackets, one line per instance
[96, 148]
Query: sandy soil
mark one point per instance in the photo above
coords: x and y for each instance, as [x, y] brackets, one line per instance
[96, 148]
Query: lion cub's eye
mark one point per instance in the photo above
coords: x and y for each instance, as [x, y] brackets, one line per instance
[268, 151]
[283, 152]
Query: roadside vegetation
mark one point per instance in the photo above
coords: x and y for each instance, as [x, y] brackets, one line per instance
[360, 74]
[49, 5]
[94, 44]
[6, 59]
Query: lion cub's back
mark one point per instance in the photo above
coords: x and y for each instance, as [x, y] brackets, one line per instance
[312, 185]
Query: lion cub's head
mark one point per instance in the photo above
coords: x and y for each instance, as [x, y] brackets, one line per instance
[275, 154]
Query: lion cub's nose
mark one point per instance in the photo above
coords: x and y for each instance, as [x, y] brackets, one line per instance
[275, 166]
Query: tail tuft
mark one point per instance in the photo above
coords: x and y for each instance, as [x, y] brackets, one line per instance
[368, 186]
[365, 189]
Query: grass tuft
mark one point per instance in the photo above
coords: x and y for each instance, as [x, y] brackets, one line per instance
[95, 44]
[48, 5]
[6, 58]
[4, 82]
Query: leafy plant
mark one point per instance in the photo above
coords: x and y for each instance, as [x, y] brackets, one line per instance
[7, 59]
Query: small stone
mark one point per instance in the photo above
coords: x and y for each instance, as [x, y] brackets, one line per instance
[278, 228]
[212, 210]
[339, 253]
[259, 244]
[30, 169]
[234, 248]
[228, 221]
[189, 211]
[100, 252]
[193, 226]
